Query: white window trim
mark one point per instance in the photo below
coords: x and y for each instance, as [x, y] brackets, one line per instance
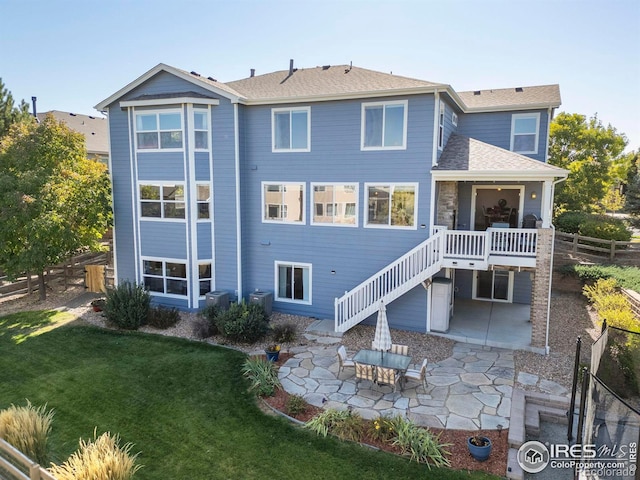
[441, 125]
[273, 129]
[309, 266]
[209, 202]
[517, 116]
[285, 222]
[510, 285]
[384, 104]
[365, 210]
[454, 119]
[340, 184]
[161, 184]
[205, 262]
[157, 112]
[164, 261]
[208, 130]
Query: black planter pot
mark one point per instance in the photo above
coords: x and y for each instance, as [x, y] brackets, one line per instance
[480, 453]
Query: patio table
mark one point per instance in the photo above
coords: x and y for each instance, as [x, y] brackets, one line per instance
[383, 359]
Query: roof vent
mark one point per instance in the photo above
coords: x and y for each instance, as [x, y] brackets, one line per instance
[519, 89]
[72, 114]
[291, 67]
[253, 73]
[326, 67]
[92, 118]
[477, 92]
[195, 73]
[212, 79]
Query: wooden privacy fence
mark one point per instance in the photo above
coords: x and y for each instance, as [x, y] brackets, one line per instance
[15, 465]
[598, 245]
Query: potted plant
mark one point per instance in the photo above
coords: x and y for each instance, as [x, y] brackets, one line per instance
[98, 304]
[272, 351]
[479, 447]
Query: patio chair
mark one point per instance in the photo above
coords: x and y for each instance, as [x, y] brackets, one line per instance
[387, 376]
[400, 349]
[343, 360]
[418, 375]
[365, 372]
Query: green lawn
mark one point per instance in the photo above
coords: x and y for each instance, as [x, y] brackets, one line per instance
[183, 404]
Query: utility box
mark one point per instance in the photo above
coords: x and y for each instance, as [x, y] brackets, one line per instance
[441, 291]
[263, 298]
[218, 299]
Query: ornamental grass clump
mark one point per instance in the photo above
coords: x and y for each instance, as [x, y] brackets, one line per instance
[27, 428]
[262, 375]
[420, 444]
[344, 424]
[100, 459]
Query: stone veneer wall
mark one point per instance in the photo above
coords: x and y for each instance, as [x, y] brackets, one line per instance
[447, 202]
[540, 288]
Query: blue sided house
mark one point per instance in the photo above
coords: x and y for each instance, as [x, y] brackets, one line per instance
[334, 188]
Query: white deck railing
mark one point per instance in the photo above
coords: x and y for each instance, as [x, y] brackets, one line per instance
[389, 283]
[424, 261]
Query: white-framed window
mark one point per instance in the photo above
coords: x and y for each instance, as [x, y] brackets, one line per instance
[335, 204]
[291, 129]
[204, 277]
[441, 126]
[162, 200]
[165, 277]
[203, 200]
[391, 205]
[159, 130]
[525, 129]
[384, 125]
[201, 129]
[283, 202]
[293, 282]
[454, 119]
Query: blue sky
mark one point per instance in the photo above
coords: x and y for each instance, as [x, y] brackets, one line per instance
[73, 54]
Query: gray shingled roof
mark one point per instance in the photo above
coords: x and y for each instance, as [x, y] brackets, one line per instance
[511, 97]
[468, 154]
[94, 129]
[323, 81]
[213, 82]
[161, 96]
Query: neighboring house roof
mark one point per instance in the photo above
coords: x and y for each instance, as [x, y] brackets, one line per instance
[525, 97]
[335, 82]
[463, 155]
[94, 129]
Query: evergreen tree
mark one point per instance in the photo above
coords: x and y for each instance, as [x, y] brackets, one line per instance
[9, 112]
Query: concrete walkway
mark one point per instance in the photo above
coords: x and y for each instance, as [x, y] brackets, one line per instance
[471, 389]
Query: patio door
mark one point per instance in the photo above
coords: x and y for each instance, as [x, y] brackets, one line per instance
[493, 285]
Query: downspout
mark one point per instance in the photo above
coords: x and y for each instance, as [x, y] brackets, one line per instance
[549, 117]
[239, 294]
[434, 160]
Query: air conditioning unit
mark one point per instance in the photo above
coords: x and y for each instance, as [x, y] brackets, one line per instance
[219, 299]
[263, 298]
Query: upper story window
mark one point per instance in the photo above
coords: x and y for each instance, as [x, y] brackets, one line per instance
[441, 126]
[391, 205]
[162, 201]
[201, 129]
[525, 128]
[283, 202]
[291, 129]
[384, 125]
[335, 204]
[159, 130]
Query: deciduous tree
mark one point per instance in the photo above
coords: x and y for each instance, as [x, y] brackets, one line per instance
[53, 200]
[587, 149]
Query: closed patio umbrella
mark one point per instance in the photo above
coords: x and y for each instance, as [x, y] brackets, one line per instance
[382, 338]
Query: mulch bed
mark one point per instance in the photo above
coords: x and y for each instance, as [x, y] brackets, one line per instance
[460, 458]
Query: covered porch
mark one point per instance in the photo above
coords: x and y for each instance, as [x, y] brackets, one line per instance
[493, 324]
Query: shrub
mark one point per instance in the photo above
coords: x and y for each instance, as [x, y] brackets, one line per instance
[296, 405]
[201, 328]
[627, 277]
[420, 444]
[243, 323]
[163, 317]
[569, 222]
[344, 424]
[262, 374]
[605, 227]
[210, 314]
[100, 459]
[27, 429]
[127, 305]
[284, 333]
